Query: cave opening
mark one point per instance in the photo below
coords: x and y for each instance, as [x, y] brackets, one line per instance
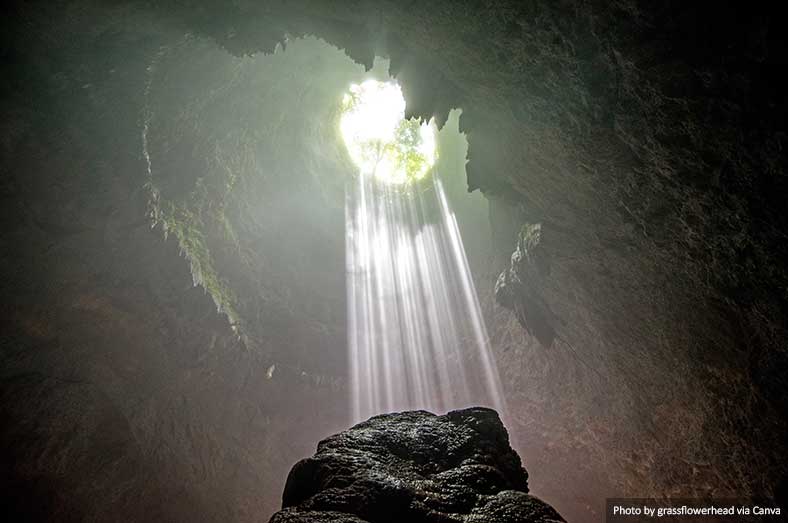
[312, 153]
[378, 137]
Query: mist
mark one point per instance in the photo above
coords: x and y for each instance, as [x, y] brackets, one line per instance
[178, 278]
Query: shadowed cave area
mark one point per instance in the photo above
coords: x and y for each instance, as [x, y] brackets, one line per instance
[178, 322]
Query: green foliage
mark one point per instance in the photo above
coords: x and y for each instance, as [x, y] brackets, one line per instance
[378, 137]
[225, 159]
[406, 150]
[188, 227]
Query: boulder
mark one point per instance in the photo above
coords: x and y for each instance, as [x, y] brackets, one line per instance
[416, 467]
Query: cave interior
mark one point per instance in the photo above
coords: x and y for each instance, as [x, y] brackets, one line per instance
[173, 267]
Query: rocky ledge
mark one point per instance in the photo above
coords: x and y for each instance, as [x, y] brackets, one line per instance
[415, 467]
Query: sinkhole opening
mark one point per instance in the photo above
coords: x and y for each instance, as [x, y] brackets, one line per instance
[380, 140]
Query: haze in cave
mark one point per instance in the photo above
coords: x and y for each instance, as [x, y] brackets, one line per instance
[376, 262]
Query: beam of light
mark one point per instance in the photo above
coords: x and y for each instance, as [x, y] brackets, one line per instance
[416, 334]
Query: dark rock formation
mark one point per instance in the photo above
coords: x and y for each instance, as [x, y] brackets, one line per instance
[415, 467]
[517, 287]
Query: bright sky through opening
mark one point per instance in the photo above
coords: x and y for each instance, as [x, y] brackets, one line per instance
[379, 140]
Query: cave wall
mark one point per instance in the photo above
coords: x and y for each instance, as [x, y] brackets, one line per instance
[650, 152]
[125, 392]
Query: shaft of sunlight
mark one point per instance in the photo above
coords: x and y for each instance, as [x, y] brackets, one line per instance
[416, 335]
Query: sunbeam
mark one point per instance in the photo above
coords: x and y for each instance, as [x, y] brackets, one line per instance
[417, 339]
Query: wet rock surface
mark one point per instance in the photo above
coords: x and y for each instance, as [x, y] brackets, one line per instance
[417, 467]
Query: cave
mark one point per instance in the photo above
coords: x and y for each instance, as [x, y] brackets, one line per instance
[575, 217]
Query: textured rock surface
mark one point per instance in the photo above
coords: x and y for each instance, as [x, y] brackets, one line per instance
[416, 467]
[517, 287]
